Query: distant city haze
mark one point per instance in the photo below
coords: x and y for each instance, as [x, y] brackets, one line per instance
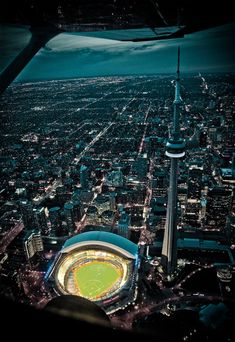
[71, 55]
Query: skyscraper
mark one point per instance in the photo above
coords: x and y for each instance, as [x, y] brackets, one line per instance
[112, 199]
[32, 243]
[56, 224]
[69, 216]
[141, 167]
[84, 177]
[26, 210]
[218, 207]
[123, 225]
[193, 204]
[175, 149]
[40, 220]
[194, 182]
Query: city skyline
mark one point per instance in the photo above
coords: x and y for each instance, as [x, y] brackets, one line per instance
[117, 168]
[92, 159]
[88, 54]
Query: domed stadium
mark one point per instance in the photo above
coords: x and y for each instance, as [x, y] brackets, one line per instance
[99, 266]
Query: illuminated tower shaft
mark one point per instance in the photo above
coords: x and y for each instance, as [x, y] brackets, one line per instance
[175, 149]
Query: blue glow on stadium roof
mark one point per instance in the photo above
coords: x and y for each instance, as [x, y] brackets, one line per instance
[110, 238]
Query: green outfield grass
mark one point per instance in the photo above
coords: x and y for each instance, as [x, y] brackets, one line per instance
[95, 278]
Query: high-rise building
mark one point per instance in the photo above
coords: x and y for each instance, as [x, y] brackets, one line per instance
[213, 135]
[218, 207]
[28, 245]
[84, 177]
[55, 219]
[69, 216]
[32, 243]
[78, 209]
[61, 194]
[38, 243]
[123, 225]
[26, 210]
[40, 220]
[159, 183]
[153, 143]
[203, 138]
[193, 204]
[192, 214]
[112, 199]
[175, 149]
[141, 167]
[194, 182]
[225, 279]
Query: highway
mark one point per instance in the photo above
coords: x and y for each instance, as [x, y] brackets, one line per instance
[97, 137]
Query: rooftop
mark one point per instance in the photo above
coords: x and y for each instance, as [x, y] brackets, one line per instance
[125, 246]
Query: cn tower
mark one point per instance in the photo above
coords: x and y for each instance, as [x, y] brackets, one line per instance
[175, 149]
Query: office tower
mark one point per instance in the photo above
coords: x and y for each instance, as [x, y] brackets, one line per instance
[175, 149]
[203, 138]
[32, 243]
[112, 199]
[40, 220]
[84, 177]
[193, 204]
[153, 143]
[61, 194]
[159, 183]
[141, 167]
[194, 182]
[69, 216]
[26, 210]
[226, 281]
[192, 214]
[55, 219]
[123, 225]
[218, 207]
[78, 209]
[213, 135]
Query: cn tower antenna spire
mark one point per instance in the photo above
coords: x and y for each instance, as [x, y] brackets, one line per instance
[178, 64]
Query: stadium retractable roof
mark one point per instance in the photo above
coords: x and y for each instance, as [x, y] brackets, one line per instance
[103, 239]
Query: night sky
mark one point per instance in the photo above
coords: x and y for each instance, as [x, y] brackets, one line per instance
[71, 55]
